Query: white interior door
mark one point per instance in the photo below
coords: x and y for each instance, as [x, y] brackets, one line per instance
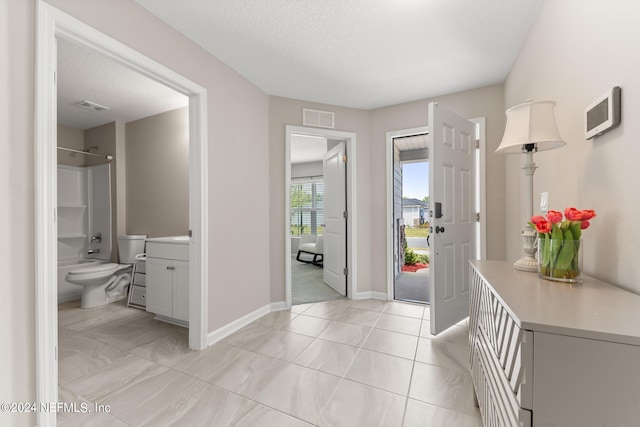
[451, 190]
[335, 226]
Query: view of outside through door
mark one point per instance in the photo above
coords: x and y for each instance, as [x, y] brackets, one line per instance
[411, 227]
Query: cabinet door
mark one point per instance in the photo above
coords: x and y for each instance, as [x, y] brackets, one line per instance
[160, 286]
[181, 290]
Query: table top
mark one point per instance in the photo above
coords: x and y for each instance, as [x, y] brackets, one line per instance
[592, 309]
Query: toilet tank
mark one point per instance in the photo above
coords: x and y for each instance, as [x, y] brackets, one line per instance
[130, 245]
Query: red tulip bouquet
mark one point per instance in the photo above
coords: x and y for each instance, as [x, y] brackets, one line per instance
[559, 249]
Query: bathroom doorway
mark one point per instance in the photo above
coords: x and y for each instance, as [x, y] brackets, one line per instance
[53, 25]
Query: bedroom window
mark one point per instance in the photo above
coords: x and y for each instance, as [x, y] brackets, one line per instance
[307, 207]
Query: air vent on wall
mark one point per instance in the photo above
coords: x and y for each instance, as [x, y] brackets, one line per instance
[91, 105]
[323, 119]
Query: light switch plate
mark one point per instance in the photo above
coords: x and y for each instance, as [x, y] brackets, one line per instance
[544, 201]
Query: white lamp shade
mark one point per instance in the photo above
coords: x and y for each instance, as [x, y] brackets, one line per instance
[531, 123]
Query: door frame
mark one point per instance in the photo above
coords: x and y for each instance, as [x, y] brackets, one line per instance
[482, 241]
[350, 142]
[53, 23]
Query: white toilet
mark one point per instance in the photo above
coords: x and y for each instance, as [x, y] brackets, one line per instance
[107, 283]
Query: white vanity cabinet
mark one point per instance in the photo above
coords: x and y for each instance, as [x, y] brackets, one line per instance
[552, 354]
[168, 278]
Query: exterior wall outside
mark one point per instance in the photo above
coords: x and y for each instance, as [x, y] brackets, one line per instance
[575, 52]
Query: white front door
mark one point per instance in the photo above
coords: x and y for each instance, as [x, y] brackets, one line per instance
[451, 190]
[335, 225]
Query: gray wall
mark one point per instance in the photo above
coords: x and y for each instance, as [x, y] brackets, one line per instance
[237, 120]
[157, 174]
[73, 138]
[574, 53]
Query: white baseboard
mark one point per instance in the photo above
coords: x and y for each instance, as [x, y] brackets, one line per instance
[278, 306]
[220, 333]
[372, 295]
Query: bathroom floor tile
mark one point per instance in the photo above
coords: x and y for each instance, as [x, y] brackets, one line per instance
[293, 389]
[448, 388]
[419, 414]
[359, 317]
[401, 324]
[405, 309]
[208, 363]
[168, 350]
[79, 355]
[381, 370]
[281, 345]
[276, 319]
[326, 310]
[345, 333]
[442, 353]
[326, 356]
[392, 343]
[105, 384]
[307, 325]
[355, 404]
[369, 304]
[285, 369]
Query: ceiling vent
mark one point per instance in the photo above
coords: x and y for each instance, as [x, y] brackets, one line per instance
[317, 118]
[88, 105]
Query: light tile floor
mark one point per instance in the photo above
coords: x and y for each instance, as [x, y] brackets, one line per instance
[337, 363]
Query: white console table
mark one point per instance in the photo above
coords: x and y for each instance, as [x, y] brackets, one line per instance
[553, 354]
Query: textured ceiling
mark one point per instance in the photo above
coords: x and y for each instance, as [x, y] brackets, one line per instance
[357, 53]
[84, 74]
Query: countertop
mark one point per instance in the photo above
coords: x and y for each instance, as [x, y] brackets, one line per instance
[592, 309]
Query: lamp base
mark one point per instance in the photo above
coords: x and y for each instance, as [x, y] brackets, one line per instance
[529, 245]
[526, 264]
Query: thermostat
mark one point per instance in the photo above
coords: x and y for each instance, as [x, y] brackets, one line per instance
[603, 114]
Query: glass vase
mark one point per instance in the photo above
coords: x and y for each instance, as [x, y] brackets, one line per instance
[560, 260]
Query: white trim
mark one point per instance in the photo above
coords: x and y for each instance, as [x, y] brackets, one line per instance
[482, 173]
[350, 138]
[52, 23]
[372, 295]
[228, 329]
[389, 161]
[278, 306]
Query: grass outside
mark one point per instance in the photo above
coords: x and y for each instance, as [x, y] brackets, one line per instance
[416, 232]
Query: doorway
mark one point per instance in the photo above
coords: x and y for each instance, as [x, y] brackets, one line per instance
[319, 211]
[478, 206]
[411, 211]
[53, 24]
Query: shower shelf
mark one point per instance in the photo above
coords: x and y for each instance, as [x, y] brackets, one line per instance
[72, 206]
[72, 236]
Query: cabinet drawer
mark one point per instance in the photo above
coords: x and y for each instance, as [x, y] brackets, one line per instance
[168, 251]
[509, 347]
[498, 404]
[138, 296]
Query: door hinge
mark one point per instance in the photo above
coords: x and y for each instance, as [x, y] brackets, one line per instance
[477, 216]
[477, 144]
[345, 271]
[345, 158]
[345, 214]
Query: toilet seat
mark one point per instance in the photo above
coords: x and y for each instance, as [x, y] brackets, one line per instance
[95, 272]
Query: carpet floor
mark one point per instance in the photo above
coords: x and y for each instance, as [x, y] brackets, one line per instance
[307, 285]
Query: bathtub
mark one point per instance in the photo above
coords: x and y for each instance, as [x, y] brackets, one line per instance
[68, 291]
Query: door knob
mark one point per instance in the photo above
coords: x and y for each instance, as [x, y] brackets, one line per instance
[439, 229]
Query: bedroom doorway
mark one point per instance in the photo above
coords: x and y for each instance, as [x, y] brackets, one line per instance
[319, 212]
